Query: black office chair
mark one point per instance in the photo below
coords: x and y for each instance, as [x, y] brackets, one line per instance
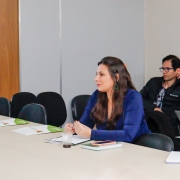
[55, 107]
[19, 100]
[156, 141]
[33, 112]
[4, 106]
[78, 105]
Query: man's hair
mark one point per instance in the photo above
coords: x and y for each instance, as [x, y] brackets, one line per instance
[175, 61]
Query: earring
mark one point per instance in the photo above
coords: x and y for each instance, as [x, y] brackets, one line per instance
[116, 87]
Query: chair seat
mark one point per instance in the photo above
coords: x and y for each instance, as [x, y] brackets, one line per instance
[78, 105]
[156, 141]
[19, 100]
[33, 112]
[4, 106]
[55, 107]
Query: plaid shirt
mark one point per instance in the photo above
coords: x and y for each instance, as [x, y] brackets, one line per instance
[160, 96]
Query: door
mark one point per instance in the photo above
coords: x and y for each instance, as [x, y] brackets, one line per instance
[9, 48]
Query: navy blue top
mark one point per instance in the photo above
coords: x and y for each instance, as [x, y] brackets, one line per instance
[130, 125]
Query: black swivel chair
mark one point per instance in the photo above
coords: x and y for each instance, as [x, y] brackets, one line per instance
[78, 105]
[33, 112]
[55, 107]
[4, 106]
[156, 141]
[19, 100]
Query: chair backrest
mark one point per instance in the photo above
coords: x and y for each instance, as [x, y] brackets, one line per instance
[19, 100]
[33, 112]
[55, 107]
[4, 106]
[78, 105]
[156, 141]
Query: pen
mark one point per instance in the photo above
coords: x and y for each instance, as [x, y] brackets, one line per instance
[72, 125]
[52, 139]
[35, 129]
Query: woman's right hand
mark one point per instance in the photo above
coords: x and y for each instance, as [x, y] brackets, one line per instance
[69, 128]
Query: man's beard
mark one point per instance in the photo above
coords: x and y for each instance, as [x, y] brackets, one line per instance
[170, 79]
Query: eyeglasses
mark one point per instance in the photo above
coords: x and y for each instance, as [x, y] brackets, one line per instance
[165, 69]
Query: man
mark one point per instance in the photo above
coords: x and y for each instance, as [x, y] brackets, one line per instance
[161, 97]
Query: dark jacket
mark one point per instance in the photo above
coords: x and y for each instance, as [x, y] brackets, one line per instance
[171, 100]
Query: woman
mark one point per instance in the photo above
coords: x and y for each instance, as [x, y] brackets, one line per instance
[115, 108]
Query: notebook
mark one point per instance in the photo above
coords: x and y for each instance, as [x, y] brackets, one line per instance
[34, 130]
[99, 148]
[173, 158]
[75, 140]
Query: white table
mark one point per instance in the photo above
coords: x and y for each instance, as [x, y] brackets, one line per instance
[29, 158]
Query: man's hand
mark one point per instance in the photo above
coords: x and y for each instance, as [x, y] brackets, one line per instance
[82, 130]
[157, 109]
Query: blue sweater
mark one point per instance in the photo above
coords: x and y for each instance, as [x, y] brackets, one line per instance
[130, 125]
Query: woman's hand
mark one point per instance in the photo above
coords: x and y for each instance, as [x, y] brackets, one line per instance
[69, 128]
[82, 130]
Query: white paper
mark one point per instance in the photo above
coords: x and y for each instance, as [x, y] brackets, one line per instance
[7, 122]
[98, 148]
[174, 157]
[32, 130]
[75, 140]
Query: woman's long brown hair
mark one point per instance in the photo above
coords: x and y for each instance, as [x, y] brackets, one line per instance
[100, 111]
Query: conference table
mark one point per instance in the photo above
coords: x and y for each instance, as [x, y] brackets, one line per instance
[30, 158]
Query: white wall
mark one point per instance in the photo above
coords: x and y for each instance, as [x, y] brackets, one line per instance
[39, 46]
[162, 33]
[92, 30]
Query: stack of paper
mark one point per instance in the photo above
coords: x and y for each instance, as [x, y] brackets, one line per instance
[173, 158]
[75, 140]
[12, 121]
[38, 130]
[98, 148]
